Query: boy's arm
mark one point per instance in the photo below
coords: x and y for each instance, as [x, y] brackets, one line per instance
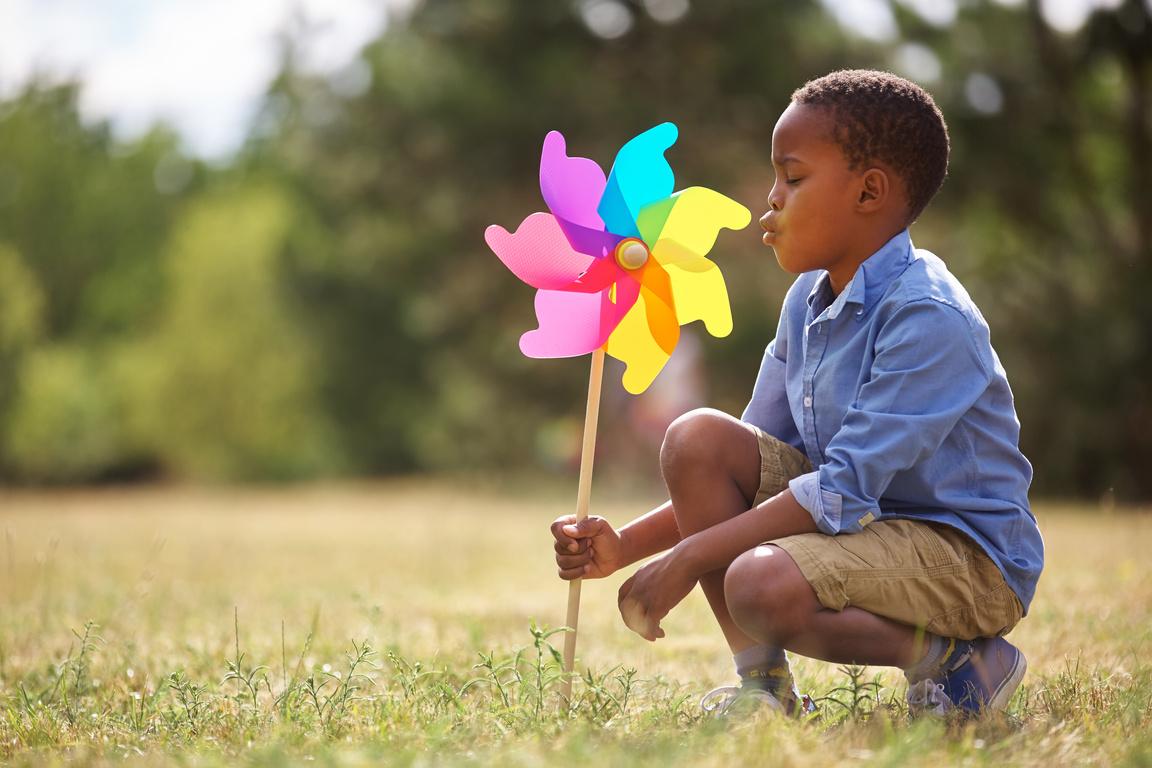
[649, 534]
[659, 586]
[715, 548]
[928, 371]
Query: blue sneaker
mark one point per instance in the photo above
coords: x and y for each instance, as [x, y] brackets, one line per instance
[982, 678]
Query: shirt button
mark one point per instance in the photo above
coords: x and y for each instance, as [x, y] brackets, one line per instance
[807, 402]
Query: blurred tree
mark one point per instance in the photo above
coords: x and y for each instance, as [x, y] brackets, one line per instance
[89, 214]
[21, 326]
[86, 216]
[67, 423]
[327, 303]
[1047, 216]
[223, 388]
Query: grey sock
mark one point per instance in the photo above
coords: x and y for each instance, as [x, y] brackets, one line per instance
[937, 651]
[761, 665]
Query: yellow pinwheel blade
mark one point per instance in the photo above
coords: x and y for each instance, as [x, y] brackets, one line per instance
[645, 338]
[698, 288]
[689, 231]
[698, 216]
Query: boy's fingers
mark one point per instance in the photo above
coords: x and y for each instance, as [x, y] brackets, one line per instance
[589, 526]
[571, 573]
[559, 523]
[564, 543]
[572, 546]
[568, 562]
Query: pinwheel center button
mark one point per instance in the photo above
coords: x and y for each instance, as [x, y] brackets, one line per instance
[631, 253]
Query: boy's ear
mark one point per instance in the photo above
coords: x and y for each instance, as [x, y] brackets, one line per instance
[875, 187]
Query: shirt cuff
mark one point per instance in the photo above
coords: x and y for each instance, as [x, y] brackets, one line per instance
[824, 506]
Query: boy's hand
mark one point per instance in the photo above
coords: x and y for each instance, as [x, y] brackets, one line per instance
[654, 590]
[590, 550]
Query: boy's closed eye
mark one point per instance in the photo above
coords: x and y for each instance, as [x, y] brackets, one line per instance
[786, 168]
[790, 180]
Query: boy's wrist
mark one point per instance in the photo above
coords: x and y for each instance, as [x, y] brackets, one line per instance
[626, 547]
[686, 557]
[647, 535]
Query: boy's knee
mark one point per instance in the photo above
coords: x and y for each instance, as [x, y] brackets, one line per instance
[748, 585]
[762, 595]
[695, 438]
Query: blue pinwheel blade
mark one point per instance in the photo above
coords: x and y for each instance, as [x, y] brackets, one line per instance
[640, 176]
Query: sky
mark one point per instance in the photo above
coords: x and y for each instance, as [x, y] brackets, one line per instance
[202, 65]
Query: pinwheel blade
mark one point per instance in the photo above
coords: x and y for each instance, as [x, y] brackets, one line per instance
[698, 288]
[647, 334]
[574, 324]
[640, 176]
[651, 220]
[696, 218]
[538, 252]
[688, 232]
[572, 188]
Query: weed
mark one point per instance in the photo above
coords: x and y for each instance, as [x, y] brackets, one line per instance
[191, 698]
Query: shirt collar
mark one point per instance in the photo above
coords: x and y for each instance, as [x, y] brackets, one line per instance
[872, 277]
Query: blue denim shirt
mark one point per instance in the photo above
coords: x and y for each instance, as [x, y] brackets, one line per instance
[895, 394]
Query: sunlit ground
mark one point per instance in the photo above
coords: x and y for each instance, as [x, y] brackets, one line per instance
[437, 572]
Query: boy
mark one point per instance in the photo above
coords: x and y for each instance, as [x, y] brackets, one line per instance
[878, 456]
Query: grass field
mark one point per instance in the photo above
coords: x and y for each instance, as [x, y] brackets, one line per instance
[393, 624]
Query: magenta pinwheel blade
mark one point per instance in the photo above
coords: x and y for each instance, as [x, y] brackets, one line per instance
[594, 242]
[572, 188]
[538, 252]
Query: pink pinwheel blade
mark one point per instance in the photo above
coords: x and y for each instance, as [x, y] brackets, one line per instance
[574, 324]
[599, 276]
[538, 252]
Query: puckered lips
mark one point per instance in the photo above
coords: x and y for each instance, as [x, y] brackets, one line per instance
[768, 223]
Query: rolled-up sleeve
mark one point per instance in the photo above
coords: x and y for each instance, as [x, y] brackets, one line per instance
[926, 373]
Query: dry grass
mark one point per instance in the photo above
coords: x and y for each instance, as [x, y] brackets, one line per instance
[437, 573]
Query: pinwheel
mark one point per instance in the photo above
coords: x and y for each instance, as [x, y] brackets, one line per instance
[619, 264]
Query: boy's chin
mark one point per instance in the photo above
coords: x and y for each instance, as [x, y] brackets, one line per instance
[784, 262]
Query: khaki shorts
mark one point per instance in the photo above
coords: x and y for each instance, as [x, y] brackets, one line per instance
[919, 573]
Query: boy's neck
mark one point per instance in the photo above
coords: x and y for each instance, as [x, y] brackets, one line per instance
[840, 275]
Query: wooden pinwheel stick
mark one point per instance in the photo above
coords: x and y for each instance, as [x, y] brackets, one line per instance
[587, 454]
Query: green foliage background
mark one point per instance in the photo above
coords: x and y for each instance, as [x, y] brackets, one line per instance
[324, 304]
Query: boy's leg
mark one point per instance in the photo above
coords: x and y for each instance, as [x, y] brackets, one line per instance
[772, 601]
[717, 467]
[857, 598]
[711, 465]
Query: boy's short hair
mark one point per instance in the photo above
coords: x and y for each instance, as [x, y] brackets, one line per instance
[880, 117]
